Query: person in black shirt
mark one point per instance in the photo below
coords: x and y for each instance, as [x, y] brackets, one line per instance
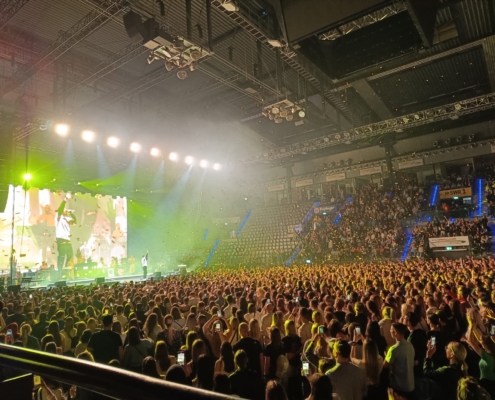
[272, 351]
[245, 383]
[39, 329]
[419, 340]
[251, 347]
[18, 317]
[106, 345]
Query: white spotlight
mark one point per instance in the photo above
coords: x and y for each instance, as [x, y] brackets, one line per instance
[88, 136]
[135, 147]
[203, 163]
[62, 129]
[155, 152]
[217, 166]
[173, 156]
[113, 141]
[189, 160]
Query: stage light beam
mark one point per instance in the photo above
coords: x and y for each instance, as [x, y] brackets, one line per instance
[112, 141]
[135, 147]
[217, 167]
[173, 156]
[27, 176]
[88, 136]
[203, 163]
[155, 152]
[62, 129]
[189, 160]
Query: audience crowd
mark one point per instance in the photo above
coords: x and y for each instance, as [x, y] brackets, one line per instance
[476, 229]
[368, 224]
[414, 330]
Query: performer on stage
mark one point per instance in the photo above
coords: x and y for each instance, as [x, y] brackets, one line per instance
[46, 221]
[63, 221]
[144, 263]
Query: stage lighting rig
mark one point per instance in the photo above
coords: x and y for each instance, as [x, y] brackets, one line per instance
[113, 141]
[175, 51]
[62, 129]
[283, 110]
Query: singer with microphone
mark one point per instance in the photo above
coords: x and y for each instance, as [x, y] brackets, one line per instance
[63, 221]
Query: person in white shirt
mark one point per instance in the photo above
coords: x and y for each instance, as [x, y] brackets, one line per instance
[227, 311]
[144, 264]
[64, 219]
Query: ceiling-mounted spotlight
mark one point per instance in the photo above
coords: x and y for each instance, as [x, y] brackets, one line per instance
[189, 160]
[447, 141]
[458, 139]
[275, 110]
[435, 143]
[283, 113]
[169, 65]
[182, 74]
[301, 114]
[278, 120]
[405, 119]
[178, 43]
[337, 136]
[271, 116]
[289, 117]
[416, 116]
[62, 129]
[88, 136]
[457, 106]
[326, 140]
[471, 137]
[195, 55]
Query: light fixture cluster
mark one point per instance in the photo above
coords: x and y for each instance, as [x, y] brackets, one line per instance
[114, 142]
[283, 110]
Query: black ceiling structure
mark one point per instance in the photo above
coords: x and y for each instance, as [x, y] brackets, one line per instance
[73, 60]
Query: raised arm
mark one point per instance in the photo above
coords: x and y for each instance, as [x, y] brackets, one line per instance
[61, 208]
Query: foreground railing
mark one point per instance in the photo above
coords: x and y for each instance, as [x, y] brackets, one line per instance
[98, 378]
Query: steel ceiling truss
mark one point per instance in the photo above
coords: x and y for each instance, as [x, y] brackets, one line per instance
[287, 55]
[450, 111]
[8, 9]
[65, 41]
[367, 20]
[110, 65]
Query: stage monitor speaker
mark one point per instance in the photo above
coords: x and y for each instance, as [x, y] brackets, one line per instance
[4, 194]
[134, 27]
[100, 280]
[61, 284]
[157, 275]
[14, 288]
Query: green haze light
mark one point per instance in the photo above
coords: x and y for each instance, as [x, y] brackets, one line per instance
[28, 177]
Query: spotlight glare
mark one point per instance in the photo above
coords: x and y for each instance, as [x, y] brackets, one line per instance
[27, 176]
[112, 141]
[203, 163]
[62, 129]
[88, 136]
[135, 147]
[217, 166]
[173, 156]
[155, 152]
[189, 160]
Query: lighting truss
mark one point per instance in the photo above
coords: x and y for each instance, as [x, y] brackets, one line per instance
[64, 42]
[367, 20]
[9, 9]
[449, 111]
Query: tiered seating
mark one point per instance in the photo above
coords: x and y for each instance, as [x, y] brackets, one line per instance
[266, 238]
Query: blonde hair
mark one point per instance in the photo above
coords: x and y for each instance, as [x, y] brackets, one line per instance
[388, 312]
[254, 329]
[459, 354]
[370, 360]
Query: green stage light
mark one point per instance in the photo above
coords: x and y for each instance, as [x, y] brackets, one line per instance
[28, 177]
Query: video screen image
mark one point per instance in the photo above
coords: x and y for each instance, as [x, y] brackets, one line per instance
[95, 226]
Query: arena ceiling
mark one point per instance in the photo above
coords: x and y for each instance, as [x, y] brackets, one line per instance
[72, 59]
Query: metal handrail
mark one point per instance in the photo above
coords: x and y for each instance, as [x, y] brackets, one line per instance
[98, 378]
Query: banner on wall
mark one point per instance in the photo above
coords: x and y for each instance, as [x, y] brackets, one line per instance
[411, 163]
[304, 182]
[370, 171]
[455, 241]
[275, 188]
[335, 177]
[323, 209]
[458, 192]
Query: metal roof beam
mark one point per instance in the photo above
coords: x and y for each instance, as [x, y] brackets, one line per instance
[370, 97]
[288, 57]
[449, 111]
[64, 42]
[8, 9]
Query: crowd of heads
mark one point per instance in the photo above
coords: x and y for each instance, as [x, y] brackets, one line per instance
[368, 224]
[420, 329]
